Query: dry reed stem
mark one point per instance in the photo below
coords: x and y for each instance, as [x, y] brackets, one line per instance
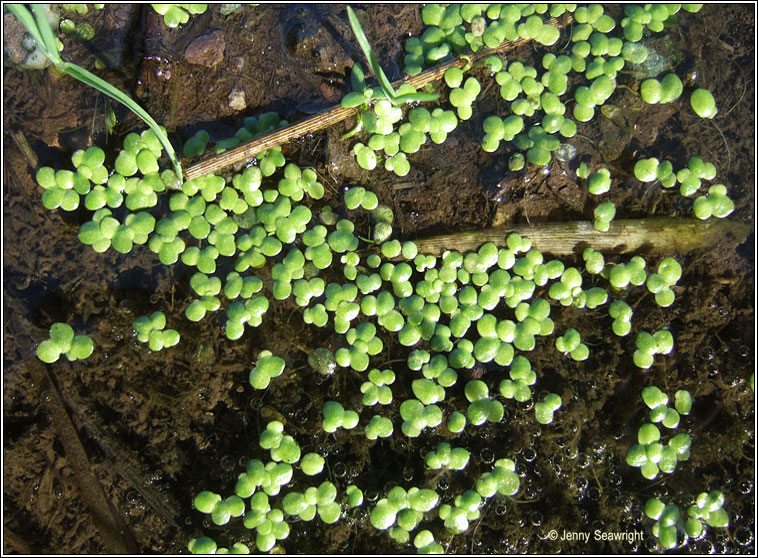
[654, 235]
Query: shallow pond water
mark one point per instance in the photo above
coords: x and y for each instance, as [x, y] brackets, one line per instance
[158, 427]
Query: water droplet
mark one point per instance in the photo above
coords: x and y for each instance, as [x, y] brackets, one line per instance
[565, 153]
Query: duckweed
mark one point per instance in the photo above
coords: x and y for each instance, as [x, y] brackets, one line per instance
[703, 104]
[151, 330]
[248, 224]
[63, 341]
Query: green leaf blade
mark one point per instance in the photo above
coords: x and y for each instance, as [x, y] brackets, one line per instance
[381, 77]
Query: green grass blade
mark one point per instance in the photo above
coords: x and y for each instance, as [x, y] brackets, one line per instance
[357, 79]
[103, 86]
[40, 29]
[384, 83]
[417, 98]
[49, 41]
[27, 20]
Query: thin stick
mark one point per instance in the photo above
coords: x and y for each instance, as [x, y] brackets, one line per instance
[23, 145]
[338, 113]
[654, 235]
[114, 533]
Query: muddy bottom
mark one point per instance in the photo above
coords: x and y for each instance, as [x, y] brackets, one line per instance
[158, 427]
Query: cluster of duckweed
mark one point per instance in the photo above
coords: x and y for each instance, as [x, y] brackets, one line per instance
[672, 530]
[175, 15]
[454, 29]
[268, 161]
[63, 341]
[542, 99]
[444, 305]
[451, 30]
[649, 453]
[599, 183]
[81, 30]
[457, 313]
[151, 330]
[621, 276]
[716, 203]
[381, 116]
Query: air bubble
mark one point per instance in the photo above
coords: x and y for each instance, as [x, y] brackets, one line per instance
[580, 484]
[227, 463]
[486, 455]
[583, 460]
[520, 469]
[743, 536]
[651, 544]
[529, 454]
[565, 153]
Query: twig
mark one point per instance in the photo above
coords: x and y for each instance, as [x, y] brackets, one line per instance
[113, 531]
[23, 145]
[338, 113]
[165, 505]
[654, 235]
